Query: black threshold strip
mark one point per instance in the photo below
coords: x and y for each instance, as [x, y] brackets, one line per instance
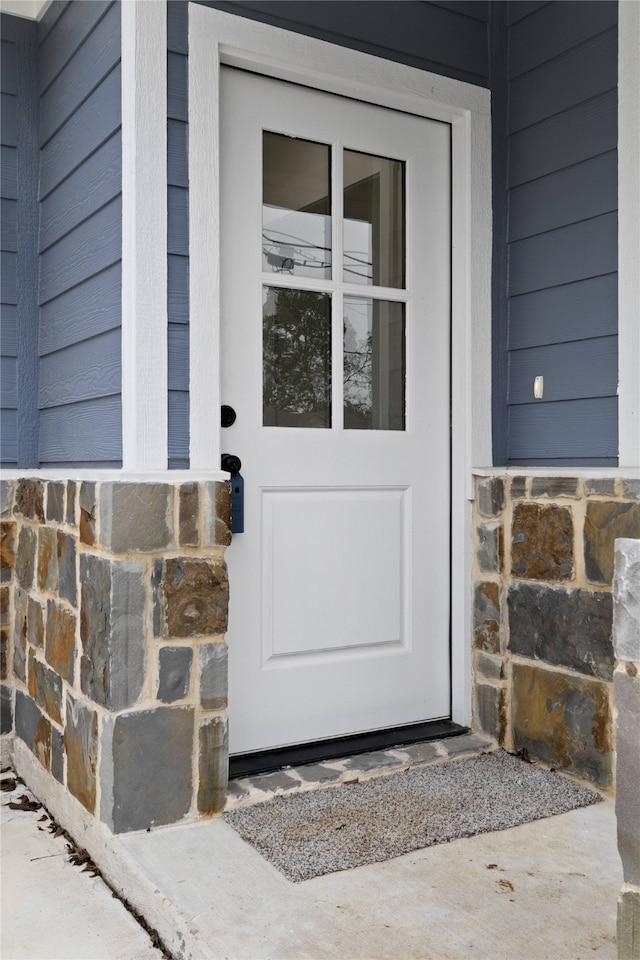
[248, 764]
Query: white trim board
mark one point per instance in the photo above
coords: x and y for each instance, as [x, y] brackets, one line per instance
[144, 236]
[629, 233]
[217, 38]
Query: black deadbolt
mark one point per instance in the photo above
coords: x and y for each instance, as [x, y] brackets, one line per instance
[227, 415]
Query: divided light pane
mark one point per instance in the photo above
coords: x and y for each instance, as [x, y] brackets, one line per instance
[296, 206]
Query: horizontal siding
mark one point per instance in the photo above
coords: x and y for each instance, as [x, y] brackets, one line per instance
[9, 119]
[177, 27]
[9, 326]
[178, 428]
[522, 9]
[50, 17]
[179, 352]
[584, 131]
[551, 33]
[577, 369]
[94, 122]
[83, 312]
[476, 9]
[80, 236]
[8, 67]
[560, 233]
[97, 57]
[80, 254]
[177, 162]
[178, 218]
[561, 83]
[178, 234]
[586, 430]
[17, 249]
[580, 192]
[178, 282]
[84, 371]
[82, 433]
[9, 436]
[9, 168]
[570, 253]
[8, 214]
[8, 383]
[8, 281]
[177, 70]
[97, 181]
[588, 308]
[66, 36]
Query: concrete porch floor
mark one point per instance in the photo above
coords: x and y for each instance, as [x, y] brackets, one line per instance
[547, 890]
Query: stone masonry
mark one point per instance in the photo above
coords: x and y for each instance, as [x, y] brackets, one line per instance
[113, 608]
[543, 606]
[626, 684]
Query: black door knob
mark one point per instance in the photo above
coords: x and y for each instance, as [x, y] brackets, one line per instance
[230, 463]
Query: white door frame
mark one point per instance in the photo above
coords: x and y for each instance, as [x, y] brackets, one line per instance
[217, 38]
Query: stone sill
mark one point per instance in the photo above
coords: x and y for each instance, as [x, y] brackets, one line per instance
[87, 475]
[585, 473]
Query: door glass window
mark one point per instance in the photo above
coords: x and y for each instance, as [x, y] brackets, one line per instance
[298, 322]
[374, 222]
[374, 364]
[296, 338]
[296, 207]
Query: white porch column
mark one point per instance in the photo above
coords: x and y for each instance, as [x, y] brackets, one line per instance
[144, 235]
[629, 232]
[204, 243]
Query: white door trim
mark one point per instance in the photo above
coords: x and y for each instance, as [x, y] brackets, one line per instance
[215, 38]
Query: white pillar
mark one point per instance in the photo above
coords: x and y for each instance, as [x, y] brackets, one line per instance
[144, 235]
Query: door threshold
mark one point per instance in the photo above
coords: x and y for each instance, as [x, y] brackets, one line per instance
[264, 761]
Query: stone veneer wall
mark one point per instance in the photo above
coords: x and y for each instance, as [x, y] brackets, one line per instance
[114, 610]
[543, 656]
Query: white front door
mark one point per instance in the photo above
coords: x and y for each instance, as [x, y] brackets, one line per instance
[335, 328]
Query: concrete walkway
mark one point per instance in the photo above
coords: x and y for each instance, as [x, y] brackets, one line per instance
[51, 909]
[543, 891]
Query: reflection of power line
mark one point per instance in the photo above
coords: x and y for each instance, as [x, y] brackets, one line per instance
[351, 256]
[286, 254]
[294, 241]
[286, 260]
[287, 264]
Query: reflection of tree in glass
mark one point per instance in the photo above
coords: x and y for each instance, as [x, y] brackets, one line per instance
[357, 378]
[297, 358]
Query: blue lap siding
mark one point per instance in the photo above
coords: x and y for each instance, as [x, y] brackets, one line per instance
[8, 243]
[556, 236]
[18, 296]
[178, 233]
[61, 237]
[80, 243]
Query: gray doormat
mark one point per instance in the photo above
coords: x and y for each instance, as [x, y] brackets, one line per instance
[336, 828]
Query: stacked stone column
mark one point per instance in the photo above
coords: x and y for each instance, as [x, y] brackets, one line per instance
[626, 684]
[543, 655]
[114, 608]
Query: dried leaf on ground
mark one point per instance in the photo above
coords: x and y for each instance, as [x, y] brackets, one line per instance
[25, 804]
